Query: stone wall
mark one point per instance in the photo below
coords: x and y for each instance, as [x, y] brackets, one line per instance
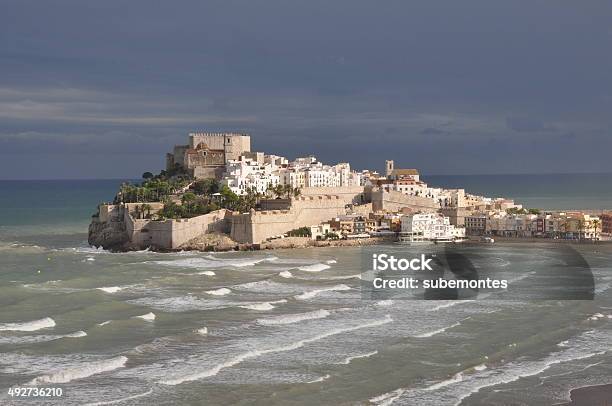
[115, 228]
[171, 234]
[348, 194]
[395, 201]
[255, 227]
[275, 204]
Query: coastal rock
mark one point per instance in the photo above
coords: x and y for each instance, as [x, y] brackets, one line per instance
[110, 235]
[210, 242]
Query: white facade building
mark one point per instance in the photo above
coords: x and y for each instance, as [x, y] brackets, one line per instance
[429, 227]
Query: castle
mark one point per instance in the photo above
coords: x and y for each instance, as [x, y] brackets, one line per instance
[207, 153]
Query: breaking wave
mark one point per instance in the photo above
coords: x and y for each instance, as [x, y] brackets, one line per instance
[259, 306]
[321, 379]
[438, 331]
[12, 340]
[84, 371]
[256, 353]
[449, 304]
[312, 293]
[116, 401]
[146, 317]
[348, 360]
[262, 306]
[335, 278]
[219, 292]
[285, 274]
[213, 262]
[47, 322]
[472, 380]
[110, 289]
[293, 318]
[314, 267]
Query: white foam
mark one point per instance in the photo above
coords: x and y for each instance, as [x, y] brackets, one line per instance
[116, 401]
[465, 383]
[207, 273]
[219, 292]
[41, 338]
[262, 306]
[104, 323]
[312, 293]
[76, 334]
[293, 318]
[449, 304]
[256, 353]
[435, 332]
[321, 379]
[213, 262]
[147, 317]
[388, 398]
[84, 371]
[348, 360]
[335, 278]
[314, 267]
[202, 331]
[285, 274]
[47, 322]
[458, 377]
[259, 306]
[110, 289]
[384, 303]
[331, 261]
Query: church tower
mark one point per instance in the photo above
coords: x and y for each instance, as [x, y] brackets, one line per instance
[389, 168]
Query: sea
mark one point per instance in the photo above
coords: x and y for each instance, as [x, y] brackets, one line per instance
[285, 327]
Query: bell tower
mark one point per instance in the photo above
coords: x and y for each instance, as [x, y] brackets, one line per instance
[389, 168]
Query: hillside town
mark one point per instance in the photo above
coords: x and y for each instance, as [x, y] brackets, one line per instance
[215, 186]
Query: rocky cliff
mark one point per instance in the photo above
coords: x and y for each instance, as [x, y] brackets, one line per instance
[110, 235]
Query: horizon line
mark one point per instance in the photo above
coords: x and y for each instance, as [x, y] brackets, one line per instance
[421, 174]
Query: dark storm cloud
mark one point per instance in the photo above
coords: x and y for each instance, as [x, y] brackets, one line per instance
[443, 86]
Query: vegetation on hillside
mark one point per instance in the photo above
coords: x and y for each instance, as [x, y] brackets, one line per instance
[300, 232]
[516, 210]
[184, 197]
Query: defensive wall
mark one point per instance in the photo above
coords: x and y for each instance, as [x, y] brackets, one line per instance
[393, 201]
[257, 226]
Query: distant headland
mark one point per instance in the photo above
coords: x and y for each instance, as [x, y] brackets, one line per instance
[216, 194]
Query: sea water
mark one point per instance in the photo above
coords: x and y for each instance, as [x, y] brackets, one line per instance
[275, 327]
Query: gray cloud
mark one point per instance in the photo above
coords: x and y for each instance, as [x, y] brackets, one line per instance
[445, 87]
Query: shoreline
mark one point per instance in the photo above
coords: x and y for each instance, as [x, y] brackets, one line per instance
[222, 243]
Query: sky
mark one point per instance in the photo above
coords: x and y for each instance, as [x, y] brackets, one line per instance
[104, 89]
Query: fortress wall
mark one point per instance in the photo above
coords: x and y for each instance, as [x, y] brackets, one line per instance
[109, 212]
[171, 234]
[255, 227]
[363, 209]
[275, 204]
[395, 201]
[184, 230]
[348, 194]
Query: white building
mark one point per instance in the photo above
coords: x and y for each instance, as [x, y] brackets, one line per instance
[429, 227]
[241, 175]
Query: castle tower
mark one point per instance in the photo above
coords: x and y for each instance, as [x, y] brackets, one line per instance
[389, 168]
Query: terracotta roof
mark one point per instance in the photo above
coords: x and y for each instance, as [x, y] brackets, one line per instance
[404, 172]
